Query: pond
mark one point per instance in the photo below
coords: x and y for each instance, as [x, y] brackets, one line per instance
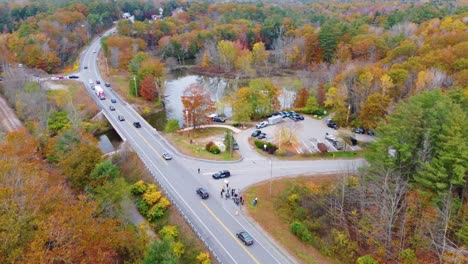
[220, 88]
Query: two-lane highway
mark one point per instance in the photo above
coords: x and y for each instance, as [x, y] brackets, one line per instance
[213, 219]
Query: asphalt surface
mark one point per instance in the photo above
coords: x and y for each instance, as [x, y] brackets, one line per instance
[216, 220]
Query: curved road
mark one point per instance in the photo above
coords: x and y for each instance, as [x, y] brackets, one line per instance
[215, 220]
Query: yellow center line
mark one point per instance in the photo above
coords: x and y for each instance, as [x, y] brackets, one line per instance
[230, 233]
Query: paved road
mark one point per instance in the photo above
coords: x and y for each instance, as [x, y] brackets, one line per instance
[214, 219]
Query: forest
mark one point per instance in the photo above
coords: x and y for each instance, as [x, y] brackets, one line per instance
[399, 67]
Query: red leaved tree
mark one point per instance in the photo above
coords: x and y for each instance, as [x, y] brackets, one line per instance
[148, 88]
[197, 105]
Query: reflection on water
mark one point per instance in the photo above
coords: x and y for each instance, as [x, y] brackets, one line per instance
[157, 120]
[109, 141]
[219, 87]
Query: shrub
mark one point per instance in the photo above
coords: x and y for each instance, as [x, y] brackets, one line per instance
[322, 148]
[152, 197]
[208, 145]
[169, 232]
[142, 206]
[366, 260]
[138, 188]
[155, 213]
[204, 258]
[301, 231]
[171, 126]
[214, 149]
[259, 144]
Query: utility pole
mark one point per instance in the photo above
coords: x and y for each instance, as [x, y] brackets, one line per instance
[136, 91]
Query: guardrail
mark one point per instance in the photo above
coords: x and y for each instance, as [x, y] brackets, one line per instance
[177, 203]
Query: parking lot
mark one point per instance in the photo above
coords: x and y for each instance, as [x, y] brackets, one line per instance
[310, 132]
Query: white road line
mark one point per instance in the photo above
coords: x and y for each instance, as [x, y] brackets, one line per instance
[180, 197]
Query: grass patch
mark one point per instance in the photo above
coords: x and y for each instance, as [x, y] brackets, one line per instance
[192, 143]
[272, 220]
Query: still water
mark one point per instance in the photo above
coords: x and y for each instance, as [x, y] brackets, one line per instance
[220, 89]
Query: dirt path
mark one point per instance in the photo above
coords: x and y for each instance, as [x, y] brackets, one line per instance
[9, 120]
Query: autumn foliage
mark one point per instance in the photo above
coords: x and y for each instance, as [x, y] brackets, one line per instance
[43, 221]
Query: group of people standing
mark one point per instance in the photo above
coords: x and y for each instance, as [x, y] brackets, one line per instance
[230, 193]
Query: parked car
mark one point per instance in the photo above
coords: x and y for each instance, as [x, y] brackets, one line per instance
[121, 118]
[107, 84]
[371, 132]
[235, 146]
[166, 156]
[221, 174]
[113, 100]
[245, 238]
[283, 114]
[73, 77]
[331, 124]
[1, 79]
[261, 136]
[299, 117]
[137, 124]
[203, 193]
[256, 133]
[359, 130]
[111, 107]
[262, 124]
[218, 119]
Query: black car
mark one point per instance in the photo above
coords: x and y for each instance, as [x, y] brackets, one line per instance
[203, 193]
[245, 238]
[218, 119]
[73, 77]
[332, 124]
[359, 130]
[98, 82]
[107, 84]
[256, 133]
[299, 117]
[221, 174]
[371, 132]
[121, 118]
[111, 107]
[85, 67]
[137, 124]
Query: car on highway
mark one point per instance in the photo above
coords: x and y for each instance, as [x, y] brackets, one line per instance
[256, 133]
[98, 82]
[166, 156]
[245, 238]
[85, 67]
[203, 193]
[111, 107]
[137, 124]
[218, 119]
[221, 174]
[107, 84]
[121, 118]
[73, 77]
[113, 100]
[94, 51]
[262, 124]
[90, 81]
